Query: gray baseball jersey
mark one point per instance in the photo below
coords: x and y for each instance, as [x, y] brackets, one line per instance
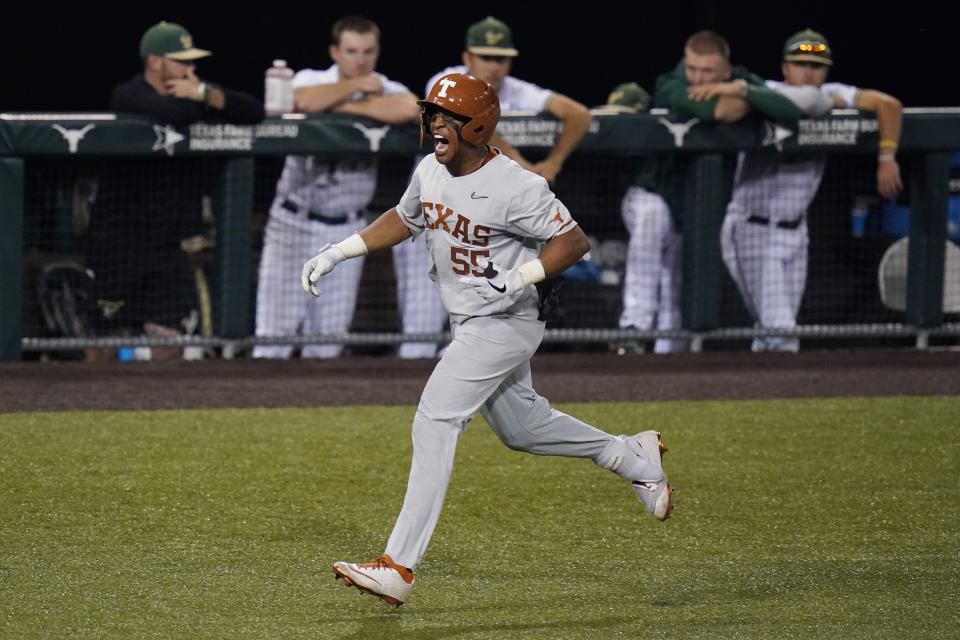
[500, 212]
[420, 308]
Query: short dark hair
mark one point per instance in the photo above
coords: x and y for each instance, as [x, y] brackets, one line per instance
[708, 42]
[358, 24]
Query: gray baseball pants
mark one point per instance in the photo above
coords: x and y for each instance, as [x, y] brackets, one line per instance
[486, 368]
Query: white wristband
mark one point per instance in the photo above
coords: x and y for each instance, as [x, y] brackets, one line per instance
[353, 247]
[886, 157]
[532, 272]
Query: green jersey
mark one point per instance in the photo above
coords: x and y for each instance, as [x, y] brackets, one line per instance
[666, 174]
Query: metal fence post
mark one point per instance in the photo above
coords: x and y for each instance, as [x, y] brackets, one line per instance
[11, 257]
[928, 233]
[235, 212]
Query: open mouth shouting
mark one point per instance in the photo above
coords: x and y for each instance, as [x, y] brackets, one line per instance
[440, 144]
[445, 129]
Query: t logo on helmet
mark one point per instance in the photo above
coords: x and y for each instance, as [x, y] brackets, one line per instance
[469, 98]
[445, 84]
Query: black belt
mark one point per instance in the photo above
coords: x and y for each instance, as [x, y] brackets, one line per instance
[781, 224]
[292, 206]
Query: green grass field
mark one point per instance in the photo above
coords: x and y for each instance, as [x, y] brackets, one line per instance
[795, 519]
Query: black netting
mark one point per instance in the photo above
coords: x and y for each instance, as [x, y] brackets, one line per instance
[128, 248]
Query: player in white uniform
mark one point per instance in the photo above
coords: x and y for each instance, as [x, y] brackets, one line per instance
[322, 199]
[651, 285]
[489, 55]
[703, 88]
[764, 237]
[493, 230]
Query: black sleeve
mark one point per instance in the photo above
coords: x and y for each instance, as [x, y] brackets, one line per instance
[241, 108]
[177, 111]
[137, 96]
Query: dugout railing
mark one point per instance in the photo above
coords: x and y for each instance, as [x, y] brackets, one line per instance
[50, 163]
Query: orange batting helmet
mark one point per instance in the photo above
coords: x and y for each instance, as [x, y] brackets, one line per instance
[468, 97]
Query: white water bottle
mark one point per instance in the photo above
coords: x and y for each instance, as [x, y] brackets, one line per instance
[278, 88]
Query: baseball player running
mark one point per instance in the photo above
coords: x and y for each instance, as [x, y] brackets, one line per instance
[764, 237]
[493, 230]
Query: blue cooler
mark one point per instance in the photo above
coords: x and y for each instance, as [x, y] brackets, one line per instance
[895, 218]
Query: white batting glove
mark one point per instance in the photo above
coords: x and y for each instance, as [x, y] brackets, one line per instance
[320, 265]
[495, 284]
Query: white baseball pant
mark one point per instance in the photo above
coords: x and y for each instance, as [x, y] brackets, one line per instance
[421, 309]
[283, 309]
[769, 265]
[651, 284]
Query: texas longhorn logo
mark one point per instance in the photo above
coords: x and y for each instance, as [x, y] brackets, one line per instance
[679, 129]
[373, 134]
[73, 136]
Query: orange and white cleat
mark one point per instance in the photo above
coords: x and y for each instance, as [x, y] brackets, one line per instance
[382, 578]
[657, 496]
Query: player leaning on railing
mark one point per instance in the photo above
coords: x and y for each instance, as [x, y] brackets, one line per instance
[765, 237]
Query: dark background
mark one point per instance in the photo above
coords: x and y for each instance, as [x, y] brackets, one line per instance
[68, 57]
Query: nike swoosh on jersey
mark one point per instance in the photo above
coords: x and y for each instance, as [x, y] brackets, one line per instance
[474, 196]
[502, 289]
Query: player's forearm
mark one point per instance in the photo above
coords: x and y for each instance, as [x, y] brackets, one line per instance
[563, 251]
[576, 121]
[322, 96]
[730, 109]
[772, 104]
[889, 123]
[385, 231]
[889, 112]
[574, 128]
[703, 109]
[395, 109]
[236, 106]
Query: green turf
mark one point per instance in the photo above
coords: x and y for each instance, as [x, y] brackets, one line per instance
[800, 519]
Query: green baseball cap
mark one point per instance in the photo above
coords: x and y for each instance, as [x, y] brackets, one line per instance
[807, 46]
[171, 40]
[490, 37]
[629, 96]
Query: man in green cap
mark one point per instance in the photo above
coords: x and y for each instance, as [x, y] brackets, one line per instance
[168, 88]
[703, 88]
[489, 55]
[764, 237]
[628, 97]
[146, 226]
